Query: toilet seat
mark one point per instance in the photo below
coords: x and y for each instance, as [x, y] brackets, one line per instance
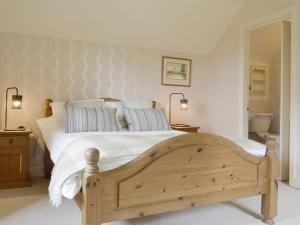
[266, 135]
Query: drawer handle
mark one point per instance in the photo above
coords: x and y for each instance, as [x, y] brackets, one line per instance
[11, 141]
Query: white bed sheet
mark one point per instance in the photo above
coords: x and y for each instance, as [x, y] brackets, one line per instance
[57, 140]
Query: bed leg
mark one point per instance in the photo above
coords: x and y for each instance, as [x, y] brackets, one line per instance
[91, 189]
[269, 199]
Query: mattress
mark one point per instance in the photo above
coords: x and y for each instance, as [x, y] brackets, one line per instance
[116, 149]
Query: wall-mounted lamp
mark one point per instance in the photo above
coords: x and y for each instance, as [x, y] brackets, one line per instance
[183, 104]
[16, 104]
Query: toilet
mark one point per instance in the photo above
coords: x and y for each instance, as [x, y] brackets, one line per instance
[259, 125]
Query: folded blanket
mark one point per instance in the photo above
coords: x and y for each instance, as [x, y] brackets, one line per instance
[115, 150]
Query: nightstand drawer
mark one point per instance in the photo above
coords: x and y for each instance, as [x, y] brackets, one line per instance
[13, 141]
[11, 161]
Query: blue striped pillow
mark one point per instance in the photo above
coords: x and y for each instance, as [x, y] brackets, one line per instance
[90, 118]
[146, 119]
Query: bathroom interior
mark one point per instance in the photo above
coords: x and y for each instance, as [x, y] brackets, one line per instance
[268, 113]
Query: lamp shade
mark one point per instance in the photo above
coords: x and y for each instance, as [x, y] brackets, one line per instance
[16, 102]
[183, 104]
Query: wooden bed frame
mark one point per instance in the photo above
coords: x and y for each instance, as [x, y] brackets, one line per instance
[182, 172]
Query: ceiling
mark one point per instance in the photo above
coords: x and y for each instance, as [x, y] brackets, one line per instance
[193, 26]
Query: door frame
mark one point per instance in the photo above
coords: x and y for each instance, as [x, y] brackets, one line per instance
[244, 44]
[285, 100]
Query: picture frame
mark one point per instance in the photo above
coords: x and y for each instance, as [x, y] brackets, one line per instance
[176, 71]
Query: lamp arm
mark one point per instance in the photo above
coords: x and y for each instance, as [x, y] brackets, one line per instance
[170, 101]
[6, 96]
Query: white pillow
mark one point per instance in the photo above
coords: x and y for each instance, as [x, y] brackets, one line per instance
[58, 108]
[120, 117]
[135, 104]
[49, 126]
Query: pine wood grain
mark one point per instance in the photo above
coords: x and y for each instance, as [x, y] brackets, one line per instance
[182, 172]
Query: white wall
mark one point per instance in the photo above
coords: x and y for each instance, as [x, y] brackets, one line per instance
[43, 67]
[265, 42]
[222, 89]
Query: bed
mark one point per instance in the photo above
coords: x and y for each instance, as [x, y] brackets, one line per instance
[177, 171]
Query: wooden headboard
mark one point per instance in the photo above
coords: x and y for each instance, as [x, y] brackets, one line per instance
[48, 164]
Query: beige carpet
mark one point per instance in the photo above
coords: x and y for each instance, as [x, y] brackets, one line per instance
[29, 206]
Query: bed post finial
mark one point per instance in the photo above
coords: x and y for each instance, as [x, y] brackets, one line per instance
[269, 199]
[91, 189]
[92, 156]
[48, 110]
[154, 104]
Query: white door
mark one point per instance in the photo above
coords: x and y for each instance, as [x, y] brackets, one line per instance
[294, 157]
[284, 149]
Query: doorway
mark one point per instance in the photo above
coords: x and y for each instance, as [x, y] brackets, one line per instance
[287, 151]
[269, 88]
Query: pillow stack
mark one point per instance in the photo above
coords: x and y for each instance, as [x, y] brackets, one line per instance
[96, 115]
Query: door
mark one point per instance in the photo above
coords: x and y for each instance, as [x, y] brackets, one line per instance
[284, 149]
[294, 165]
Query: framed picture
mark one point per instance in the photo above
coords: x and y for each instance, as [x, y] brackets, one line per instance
[176, 71]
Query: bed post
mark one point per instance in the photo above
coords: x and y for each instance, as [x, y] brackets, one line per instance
[91, 189]
[269, 199]
[48, 164]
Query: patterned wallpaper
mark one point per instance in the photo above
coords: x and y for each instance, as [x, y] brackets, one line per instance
[43, 67]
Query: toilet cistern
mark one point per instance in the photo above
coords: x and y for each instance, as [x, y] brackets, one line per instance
[260, 122]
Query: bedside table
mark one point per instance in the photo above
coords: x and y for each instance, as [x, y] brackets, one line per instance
[188, 129]
[14, 159]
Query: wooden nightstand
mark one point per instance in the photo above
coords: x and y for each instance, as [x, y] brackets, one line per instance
[188, 129]
[14, 159]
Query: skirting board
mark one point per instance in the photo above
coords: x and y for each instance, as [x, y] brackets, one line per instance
[36, 171]
[295, 183]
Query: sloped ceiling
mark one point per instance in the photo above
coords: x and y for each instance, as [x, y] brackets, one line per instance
[193, 26]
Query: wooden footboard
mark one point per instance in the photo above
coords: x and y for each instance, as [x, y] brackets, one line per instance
[182, 172]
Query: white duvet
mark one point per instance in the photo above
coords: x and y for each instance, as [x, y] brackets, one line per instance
[116, 149]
